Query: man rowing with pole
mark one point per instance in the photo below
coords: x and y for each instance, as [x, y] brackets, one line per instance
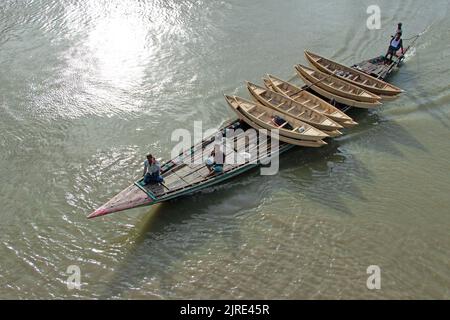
[395, 45]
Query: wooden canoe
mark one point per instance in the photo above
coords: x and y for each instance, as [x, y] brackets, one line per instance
[290, 107]
[330, 95]
[234, 104]
[308, 99]
[264, 117]
[335, 85]
[353, 76]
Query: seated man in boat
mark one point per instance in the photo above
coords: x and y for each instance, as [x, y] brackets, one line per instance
[152, 170]
[395, 45]
[215, 162]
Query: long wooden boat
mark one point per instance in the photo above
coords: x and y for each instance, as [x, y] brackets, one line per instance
[383, 89]
[235, 105]
[311, 81]
[308, 99]
[183, 175]
[335, 85]
[332, 134]
[290, 128]
[292, 108]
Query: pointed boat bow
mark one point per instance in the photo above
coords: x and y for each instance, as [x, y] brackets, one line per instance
[131, 197]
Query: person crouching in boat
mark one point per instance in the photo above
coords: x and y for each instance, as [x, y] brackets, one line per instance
[215, 162]
[152, 170]
[395, 45]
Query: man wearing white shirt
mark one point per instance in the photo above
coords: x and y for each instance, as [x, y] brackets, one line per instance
[152, 170]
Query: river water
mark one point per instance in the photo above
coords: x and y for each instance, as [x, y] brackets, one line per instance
[87, 88]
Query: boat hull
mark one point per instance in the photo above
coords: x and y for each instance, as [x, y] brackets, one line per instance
[306, 135]
[297, 142]
[376, 86]
[362, 96]
[331, 125]
[338, 98]
[325, 108]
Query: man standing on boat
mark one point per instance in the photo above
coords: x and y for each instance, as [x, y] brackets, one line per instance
[395, 45]
[152, 170]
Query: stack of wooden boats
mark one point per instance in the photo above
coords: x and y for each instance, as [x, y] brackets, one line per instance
[307, 115]
[334, 88]
[291, 129]
[304, 116]
[304, 97]
[353, 77]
